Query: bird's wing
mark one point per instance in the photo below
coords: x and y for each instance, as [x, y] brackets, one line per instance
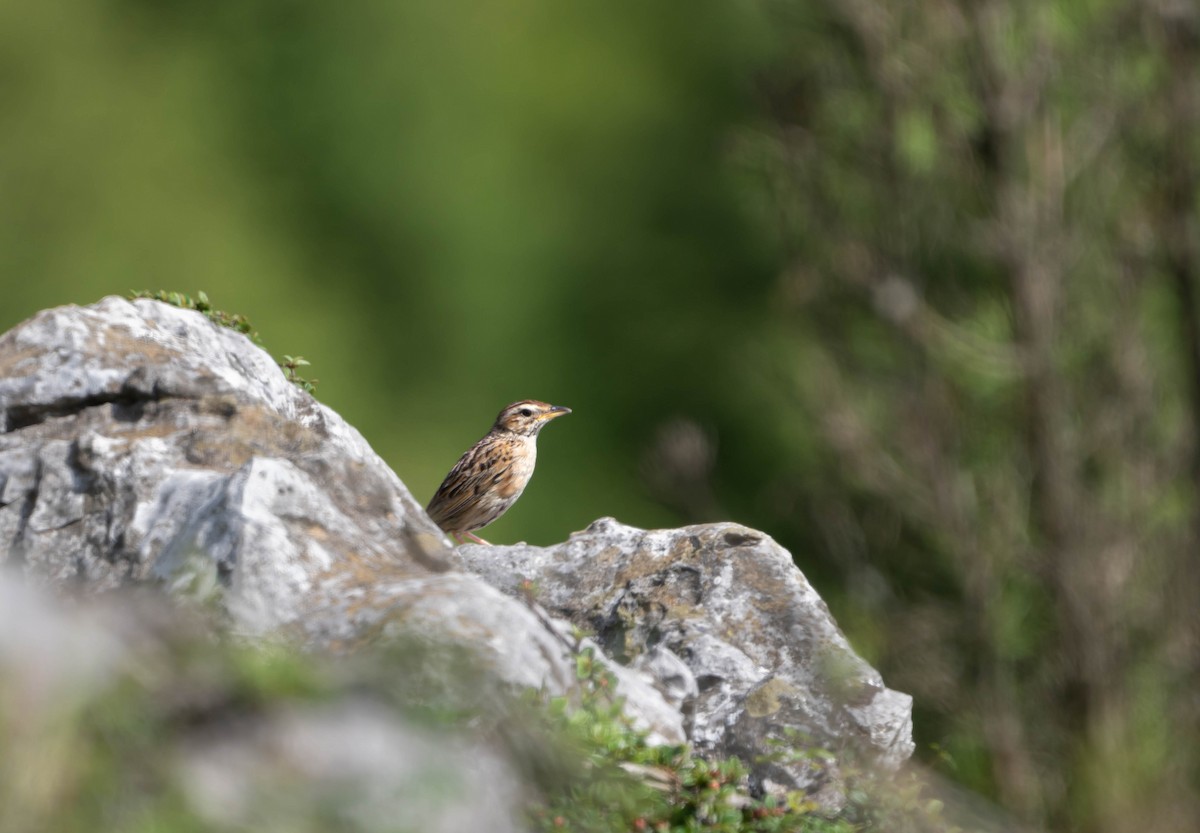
[474, 473]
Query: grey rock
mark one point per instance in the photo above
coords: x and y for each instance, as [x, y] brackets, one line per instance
[277, 766]
[529, 648]
[142, 444]
[770, 663]
[355, 757]
[137, 433]
[48, 656]
[669, 674]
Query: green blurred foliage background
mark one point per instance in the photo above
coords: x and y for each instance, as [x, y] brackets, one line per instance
[910, 286]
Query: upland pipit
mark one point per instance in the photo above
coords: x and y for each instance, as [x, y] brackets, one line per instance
[489, 478]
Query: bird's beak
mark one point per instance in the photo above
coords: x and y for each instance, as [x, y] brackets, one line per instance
[555, 411]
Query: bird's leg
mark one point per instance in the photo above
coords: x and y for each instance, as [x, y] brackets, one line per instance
[477, 539]
[457, 538]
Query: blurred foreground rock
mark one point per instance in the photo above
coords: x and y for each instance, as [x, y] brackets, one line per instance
[142, 444]
[121, 714]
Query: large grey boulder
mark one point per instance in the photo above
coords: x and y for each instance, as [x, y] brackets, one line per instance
[720, 612]
[134, 434]
[142, 444]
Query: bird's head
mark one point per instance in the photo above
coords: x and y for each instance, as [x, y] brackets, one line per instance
[527, 417]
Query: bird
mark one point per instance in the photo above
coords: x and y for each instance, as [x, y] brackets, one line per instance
[488, 479]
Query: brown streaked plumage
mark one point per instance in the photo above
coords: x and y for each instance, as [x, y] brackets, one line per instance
[489, 478]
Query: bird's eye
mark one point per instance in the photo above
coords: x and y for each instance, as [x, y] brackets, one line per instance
[525, 412]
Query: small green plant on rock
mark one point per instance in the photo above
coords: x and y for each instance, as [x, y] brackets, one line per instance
[289, 365]
[234, 321]
[629, 784]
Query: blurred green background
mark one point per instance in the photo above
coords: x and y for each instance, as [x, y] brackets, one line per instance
[911, 286]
